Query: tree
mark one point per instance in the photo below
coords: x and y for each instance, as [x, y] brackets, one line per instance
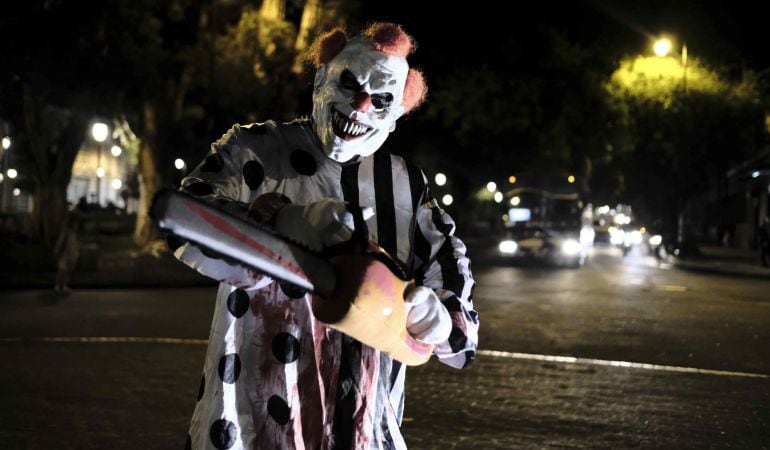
[682, 137]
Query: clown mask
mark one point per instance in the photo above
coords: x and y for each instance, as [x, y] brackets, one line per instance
[357, 97]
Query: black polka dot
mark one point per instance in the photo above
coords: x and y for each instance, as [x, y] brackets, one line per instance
[213, 163]
[286, 348]
[292, 291]
[229, 368]
[173, 242]
[208, 253]
[257, 130]
[238, 303]
[202, 387]
[199, 188]
[188, 443]
[303, 162]
[253, 174]
[222, 433]
[278, 409]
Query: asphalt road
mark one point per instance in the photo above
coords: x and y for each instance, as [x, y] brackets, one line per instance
[665, 359]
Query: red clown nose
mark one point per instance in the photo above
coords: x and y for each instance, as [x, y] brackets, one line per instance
[361, 102]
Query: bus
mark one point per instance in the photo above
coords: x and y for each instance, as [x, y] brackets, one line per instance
[548, 227]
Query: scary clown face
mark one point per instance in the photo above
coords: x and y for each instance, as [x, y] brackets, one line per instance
[357, 99]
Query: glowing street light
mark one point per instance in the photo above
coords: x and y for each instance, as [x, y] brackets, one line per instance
[662, 46]
[116, 150]
[16, 192]
[440, 179]
[100, 172]
[99, 131]
[6, 143]
[512, 179]
[491, 186]
[116, 183]
[12, 173]
[515, 200]
[179, 163]
[571, 179]
[498, 197]
[447, 199]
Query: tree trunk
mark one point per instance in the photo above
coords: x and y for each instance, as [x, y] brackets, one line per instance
[149, 180]
[53, 144]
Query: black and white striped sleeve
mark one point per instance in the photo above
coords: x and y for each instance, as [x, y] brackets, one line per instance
[440, 263]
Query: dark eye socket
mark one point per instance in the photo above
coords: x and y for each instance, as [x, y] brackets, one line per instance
[349, 81]
[382, 101]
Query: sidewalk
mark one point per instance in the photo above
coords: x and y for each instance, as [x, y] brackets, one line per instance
[726, 261]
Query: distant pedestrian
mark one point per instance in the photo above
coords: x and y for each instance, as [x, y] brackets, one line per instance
[67, 250]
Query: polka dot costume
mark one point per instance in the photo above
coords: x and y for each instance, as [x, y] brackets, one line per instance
[274, 377]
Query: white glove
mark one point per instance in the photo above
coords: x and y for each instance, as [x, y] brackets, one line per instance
[321, 224]
[427, 319]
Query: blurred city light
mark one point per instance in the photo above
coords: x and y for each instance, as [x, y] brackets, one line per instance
[512, 179]
[12, 173]
[179, 163]
[6, 143]
[16, 192]
[99, 131]
[498, 197]
[662, 46]
[440, 179]
[100, 172]
[1, 177]
[508, 247]
[491, 186]
[755, 174]
[571, 179]
[515, 200]
[447, 199]
[116, 183]
[116, 150]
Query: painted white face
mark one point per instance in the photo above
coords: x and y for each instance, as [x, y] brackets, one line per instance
[357, 99]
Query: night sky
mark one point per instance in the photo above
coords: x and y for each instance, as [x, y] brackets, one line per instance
[729, 33]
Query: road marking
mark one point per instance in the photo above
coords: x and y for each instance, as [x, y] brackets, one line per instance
[670, 287]
[492, 353]
[604, 362]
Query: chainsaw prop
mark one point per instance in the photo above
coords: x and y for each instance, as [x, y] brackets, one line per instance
[360, 294]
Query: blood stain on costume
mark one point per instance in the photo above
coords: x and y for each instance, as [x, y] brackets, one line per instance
[253, 174]
[199, 188]
[278, 409]
[238, 303]
[229, 368]
[213, 163]
[222, 434]
[286, 348]
[292, 291]
[202, 387]
[303, 162]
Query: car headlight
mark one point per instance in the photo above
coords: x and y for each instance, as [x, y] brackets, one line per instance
[570, 247]
[656, 240]
[508, 247]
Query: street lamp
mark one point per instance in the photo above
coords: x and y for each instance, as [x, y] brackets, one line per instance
[99, 131]
[663, 46]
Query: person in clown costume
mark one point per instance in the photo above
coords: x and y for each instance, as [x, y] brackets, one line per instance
[274, 376]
